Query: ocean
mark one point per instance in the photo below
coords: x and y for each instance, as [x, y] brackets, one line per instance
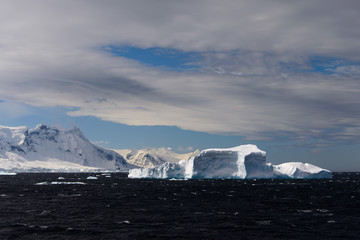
[112, 206]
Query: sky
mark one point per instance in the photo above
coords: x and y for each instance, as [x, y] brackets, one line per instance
[284, 75]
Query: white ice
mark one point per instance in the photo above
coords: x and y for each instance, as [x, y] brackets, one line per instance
[245, 161]
[7, 173]
[152, 157]
[91, 178]
[45, 149]
[60, 183]
[300, 170]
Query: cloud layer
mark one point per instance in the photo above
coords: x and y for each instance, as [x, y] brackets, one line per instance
[255, 77]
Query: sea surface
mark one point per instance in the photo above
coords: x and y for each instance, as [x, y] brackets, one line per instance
[116, 207]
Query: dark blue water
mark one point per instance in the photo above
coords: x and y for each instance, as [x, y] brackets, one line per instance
[115, 207]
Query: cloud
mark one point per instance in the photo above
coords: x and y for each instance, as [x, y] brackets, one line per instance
[100, 142]
[321, 26]
[255, 78]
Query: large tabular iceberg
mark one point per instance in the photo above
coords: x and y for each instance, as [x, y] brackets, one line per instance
[245, 161]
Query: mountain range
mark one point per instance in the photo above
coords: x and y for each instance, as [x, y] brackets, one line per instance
[152, 157]
[47, 148]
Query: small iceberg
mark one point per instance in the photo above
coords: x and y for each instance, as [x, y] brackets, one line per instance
[299, 170]
[91, 178]
[60, 183]
[7, 173]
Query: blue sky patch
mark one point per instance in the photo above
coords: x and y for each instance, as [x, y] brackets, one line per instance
[163, 58]
[324, 65]
[331, 65]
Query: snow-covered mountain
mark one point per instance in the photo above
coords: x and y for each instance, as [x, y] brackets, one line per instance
[47, 148]
[152, 157]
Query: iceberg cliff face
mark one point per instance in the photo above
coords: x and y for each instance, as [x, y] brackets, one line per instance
[245, 161]
[166, 170]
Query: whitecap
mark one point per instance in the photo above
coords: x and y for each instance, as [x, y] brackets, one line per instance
[305, 210]
[123, 222]
[263, 222]
[59, 183]
[178, 179]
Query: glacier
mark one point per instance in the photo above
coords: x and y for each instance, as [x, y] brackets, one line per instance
[241, 162]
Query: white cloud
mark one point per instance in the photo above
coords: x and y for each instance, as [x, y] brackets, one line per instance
[51, 56]
[100, 142]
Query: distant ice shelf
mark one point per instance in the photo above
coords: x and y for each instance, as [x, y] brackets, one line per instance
[242, 162]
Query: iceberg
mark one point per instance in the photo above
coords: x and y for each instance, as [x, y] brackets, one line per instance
[60, 183]
[165, 170]
[300, 170]
[91, 178]
[7, 173]
[242, 162]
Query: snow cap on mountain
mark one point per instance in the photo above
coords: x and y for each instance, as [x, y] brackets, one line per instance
[47, 148]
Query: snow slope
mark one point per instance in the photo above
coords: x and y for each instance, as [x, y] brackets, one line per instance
[152, 157]
[51, 149]
[245, 161]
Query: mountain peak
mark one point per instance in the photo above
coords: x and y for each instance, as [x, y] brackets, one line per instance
[41, 126]
[45, 146]
[151, 157]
